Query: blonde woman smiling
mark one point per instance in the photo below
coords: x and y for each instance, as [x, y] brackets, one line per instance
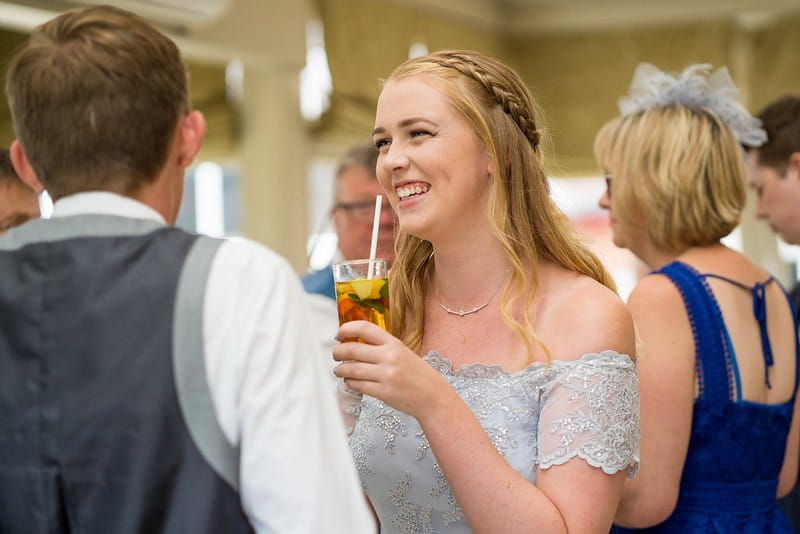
[505, 399]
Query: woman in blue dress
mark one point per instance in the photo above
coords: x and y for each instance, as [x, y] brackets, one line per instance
[507, 399]
[718, 347]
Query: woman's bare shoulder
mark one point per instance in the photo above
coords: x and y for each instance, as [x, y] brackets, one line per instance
[584, 316]
[656, 293]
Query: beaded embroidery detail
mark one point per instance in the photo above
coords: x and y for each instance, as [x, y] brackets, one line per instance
[541, 416]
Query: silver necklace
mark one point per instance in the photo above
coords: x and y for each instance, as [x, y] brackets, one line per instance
[470, 311]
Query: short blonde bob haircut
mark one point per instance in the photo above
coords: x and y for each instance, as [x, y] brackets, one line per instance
[523, 217]
[676, 172]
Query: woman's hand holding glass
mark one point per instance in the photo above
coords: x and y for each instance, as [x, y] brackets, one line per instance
[381, 366]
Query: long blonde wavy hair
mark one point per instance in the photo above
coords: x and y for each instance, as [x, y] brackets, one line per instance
[523, 217]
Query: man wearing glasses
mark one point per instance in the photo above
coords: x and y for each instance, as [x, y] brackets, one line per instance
[355, 190]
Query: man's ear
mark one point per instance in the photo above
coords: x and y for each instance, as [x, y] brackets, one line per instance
[23, 167]
[192, 130]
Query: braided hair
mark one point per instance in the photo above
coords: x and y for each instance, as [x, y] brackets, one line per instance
[516, 101]
[523, 217]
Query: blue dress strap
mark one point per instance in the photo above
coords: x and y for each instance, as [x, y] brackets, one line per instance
[796, 316]
[760, 312]
[715, 372]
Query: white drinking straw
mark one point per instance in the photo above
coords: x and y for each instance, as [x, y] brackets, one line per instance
[376, 222]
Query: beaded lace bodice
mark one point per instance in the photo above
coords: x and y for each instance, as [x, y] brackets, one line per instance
[541, 416]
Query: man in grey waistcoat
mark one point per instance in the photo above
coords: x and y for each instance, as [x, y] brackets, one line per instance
[151, 380]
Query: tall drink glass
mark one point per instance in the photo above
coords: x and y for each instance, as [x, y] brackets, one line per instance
[362, 291]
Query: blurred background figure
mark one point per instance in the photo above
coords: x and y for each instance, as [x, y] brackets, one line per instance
[775, 169]
[18, 202]
[718, 354]
[353, 211]
[775, 177]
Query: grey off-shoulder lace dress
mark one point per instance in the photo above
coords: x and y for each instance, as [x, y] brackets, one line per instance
[542, 416]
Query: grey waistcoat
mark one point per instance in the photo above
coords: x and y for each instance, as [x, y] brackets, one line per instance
[106, 422]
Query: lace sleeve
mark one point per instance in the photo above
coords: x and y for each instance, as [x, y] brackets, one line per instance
[590, 409]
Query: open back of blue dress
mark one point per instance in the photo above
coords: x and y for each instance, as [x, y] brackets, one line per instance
[737, 446]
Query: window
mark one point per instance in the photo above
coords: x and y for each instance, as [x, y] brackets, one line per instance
[211, 200]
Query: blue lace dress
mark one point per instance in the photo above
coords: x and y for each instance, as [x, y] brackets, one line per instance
[736, 447]
[538, 417]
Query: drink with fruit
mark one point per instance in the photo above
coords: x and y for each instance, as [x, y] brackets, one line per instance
[362, 291]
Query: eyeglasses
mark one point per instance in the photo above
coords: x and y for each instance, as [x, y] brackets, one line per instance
[608, 179]
[361, 210]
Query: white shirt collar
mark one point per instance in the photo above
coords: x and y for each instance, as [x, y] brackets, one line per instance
[104, 203]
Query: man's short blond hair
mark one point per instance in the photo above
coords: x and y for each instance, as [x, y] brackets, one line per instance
[95, 96]
[676, 172]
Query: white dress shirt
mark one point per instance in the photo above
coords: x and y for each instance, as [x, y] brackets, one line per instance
[269, 385]
[325, 322]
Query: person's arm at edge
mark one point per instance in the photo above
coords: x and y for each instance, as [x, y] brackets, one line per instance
[788, 475]
[273, 400]
[789, 471]
[666, 386]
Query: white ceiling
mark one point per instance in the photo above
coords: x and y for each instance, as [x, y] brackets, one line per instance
[532, 16]
[254, 31]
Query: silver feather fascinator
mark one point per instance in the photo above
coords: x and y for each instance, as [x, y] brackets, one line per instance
[694, 88]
